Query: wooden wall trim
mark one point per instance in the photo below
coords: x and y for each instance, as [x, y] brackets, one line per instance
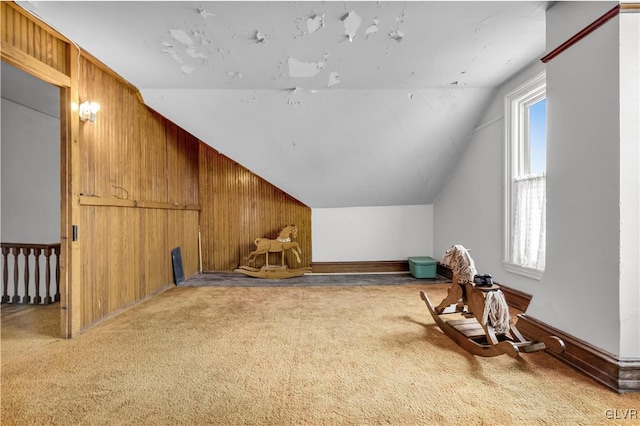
[515, 298]
[25, 62]
[582, 33]
[621, 376]
[362, 267]
[117, 202]
[70, 169]
[445, 271]
[630, 7]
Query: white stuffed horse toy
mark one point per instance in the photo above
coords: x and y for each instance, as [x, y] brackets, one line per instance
[494, 309]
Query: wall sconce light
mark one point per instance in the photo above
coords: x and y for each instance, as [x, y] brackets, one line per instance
[88, 110]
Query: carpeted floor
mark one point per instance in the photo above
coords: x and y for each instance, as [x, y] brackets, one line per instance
[296, 355]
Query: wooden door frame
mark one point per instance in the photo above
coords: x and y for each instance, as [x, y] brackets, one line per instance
[69, 177]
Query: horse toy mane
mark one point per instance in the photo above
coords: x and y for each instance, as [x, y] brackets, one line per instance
[459, 260]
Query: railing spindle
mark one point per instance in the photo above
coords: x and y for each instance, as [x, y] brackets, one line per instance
[56, 250]
[26, 299]
[47, 276]
[5, 275]
[15, 249]
[16, 275]
[36, 253]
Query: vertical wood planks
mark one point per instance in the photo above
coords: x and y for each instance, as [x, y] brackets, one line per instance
[132, 153]
[21, 31]
[237, 207]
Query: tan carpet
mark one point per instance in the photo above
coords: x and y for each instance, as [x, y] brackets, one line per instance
[283, 356]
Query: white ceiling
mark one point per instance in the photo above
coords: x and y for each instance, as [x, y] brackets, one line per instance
[337, 103]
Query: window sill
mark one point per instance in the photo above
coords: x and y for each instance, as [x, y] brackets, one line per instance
[536, 274]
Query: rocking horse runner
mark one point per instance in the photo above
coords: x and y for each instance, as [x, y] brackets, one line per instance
[279, 245]
[485, 329]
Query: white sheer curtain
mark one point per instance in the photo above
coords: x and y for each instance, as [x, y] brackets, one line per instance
[530, 223]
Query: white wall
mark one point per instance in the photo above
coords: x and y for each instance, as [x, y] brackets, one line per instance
[579, 292]
[630, 185]
[371, 233]
[590, 286]
[469, 210]
[30, 155]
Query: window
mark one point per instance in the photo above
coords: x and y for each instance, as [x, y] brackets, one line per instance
[525, 179]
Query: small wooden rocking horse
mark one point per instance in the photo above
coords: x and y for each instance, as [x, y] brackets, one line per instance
[484, 328]
[265, 246]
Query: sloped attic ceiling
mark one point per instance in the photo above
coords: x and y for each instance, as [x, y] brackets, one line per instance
[337, 103]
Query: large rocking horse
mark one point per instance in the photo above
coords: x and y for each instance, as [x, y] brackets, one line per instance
[265, 246]
[477, 317]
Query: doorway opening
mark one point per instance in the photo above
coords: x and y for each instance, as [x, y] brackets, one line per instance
[30, 147]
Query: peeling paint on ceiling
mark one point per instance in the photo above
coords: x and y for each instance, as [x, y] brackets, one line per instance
[261, 38]
[373, 28]
[351, 24]
[203, 12]
[315, 23]
[396, 35]
[334, 78]
[304, 69]
[181, 36]
[400, 99]
[216, 37]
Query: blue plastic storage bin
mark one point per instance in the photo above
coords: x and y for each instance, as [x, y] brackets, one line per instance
[423, 266]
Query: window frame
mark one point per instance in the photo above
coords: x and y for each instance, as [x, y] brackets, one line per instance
[516, 159]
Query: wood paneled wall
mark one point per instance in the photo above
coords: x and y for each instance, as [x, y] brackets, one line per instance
[238, 207]
[131, 152]
[139, 196]
[126, 254]
[137, 186]
[21, 32]
[30, 44]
